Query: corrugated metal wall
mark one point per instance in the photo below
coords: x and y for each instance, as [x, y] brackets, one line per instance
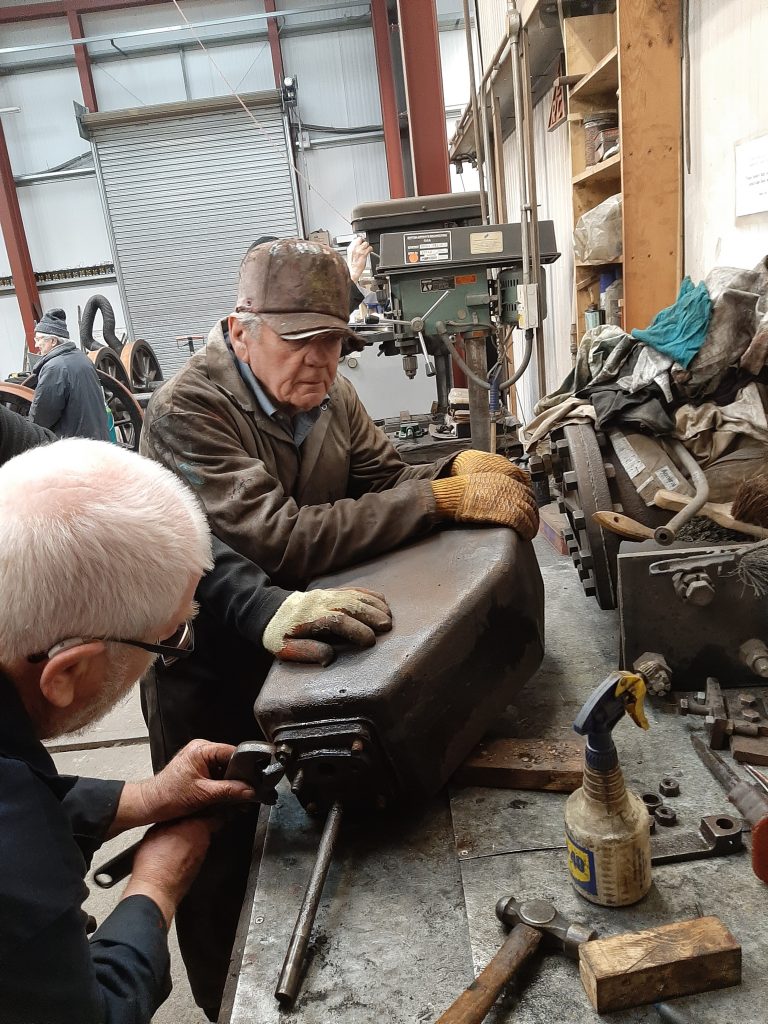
[185, 198]
[729, 102]
[554, 196]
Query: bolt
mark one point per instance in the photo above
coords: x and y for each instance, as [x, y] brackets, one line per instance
[282, 752]
[699, 593]
[747, 700]
[658, 675]
[754, 654]
[357, 747]
[665, 815]
[669, 786]
[570, 481]
[750, 714]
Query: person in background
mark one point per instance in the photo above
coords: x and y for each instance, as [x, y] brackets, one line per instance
[358, 252]
[68, 397]
[71, 646]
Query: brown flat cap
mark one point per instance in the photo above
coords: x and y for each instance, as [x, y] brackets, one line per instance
[297, 287]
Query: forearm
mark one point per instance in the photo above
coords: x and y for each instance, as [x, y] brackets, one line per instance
[238, 593]
[132, 810]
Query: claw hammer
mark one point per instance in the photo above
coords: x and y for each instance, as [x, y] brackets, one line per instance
[533, 923]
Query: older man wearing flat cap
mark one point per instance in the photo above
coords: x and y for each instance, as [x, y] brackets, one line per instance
[296, 478]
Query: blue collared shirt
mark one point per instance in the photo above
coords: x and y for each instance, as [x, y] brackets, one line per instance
[299, 426]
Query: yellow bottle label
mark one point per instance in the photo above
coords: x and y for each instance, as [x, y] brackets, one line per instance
[581, 864]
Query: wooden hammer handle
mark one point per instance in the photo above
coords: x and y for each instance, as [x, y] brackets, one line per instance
[474, 1002]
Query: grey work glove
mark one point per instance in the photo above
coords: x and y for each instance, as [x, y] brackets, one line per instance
[351, 616]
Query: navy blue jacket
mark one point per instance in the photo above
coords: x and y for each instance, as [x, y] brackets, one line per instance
[68, 396]
[50, 827]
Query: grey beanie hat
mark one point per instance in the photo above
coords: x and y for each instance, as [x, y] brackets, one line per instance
[54, 322]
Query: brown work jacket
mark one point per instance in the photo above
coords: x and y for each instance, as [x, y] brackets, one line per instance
[342, 497]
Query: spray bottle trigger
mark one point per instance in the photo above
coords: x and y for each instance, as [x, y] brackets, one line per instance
[631, 690]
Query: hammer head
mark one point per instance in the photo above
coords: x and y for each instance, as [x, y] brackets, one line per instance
[558, 932]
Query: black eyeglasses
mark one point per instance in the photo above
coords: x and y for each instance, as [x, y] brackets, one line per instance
[179, 645]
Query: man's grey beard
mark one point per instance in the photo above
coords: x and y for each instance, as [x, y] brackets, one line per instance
[118, 684]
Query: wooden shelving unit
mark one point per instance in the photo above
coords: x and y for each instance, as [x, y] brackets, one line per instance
[630, 62]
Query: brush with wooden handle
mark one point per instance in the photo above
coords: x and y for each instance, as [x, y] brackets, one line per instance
[718, 513]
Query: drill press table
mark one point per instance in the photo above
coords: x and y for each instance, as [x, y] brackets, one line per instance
[408, 909]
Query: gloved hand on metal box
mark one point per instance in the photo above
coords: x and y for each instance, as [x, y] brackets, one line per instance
[352, 616]
[495, 498]
[473, 461]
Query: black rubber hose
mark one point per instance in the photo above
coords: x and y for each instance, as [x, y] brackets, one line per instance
[104, 306]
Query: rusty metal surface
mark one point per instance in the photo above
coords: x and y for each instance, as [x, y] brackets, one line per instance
[396, 720]
[696, 641]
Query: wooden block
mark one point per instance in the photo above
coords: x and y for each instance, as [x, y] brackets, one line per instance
[554, 765]
[551, 525]
[750, 749]
[644, 967]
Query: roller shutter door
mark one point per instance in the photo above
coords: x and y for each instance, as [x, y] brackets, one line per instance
[186, 189]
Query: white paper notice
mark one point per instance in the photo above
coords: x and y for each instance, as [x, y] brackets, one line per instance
[752, 176]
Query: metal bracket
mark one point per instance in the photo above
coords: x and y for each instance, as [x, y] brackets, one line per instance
[720, 836]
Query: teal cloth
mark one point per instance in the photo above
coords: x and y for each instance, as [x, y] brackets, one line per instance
[679, 330]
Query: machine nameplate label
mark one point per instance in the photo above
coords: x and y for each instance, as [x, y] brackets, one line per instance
[427, 247]
[437, 284]
[486, 241]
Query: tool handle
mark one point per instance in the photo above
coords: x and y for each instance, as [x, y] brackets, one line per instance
[720, 514]
[622, 525]
[116, 868]
[760, 849]
[474, 1003]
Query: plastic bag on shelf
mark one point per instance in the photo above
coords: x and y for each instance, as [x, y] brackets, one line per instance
[597, 235]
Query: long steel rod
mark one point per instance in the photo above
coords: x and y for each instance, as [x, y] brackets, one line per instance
[479, 147]
[290, 977]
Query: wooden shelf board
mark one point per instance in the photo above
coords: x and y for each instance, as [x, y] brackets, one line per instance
[605, 263]
[603, 79]
[607, 170]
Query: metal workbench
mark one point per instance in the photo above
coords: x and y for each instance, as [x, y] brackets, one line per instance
[408, 909]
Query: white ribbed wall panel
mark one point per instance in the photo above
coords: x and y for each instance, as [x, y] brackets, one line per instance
[337, 79]
[493, 23]
[554, 196]
[729, 103]
[343, 176]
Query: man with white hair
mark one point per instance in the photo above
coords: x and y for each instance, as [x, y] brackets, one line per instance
[71, 645]
[68, 396]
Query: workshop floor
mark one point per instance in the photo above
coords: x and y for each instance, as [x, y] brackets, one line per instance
[440, 876]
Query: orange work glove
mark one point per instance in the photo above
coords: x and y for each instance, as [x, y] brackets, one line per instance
[473, 461]
[488, 498]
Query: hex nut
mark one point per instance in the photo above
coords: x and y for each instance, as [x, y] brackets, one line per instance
[665, 815]
[750, 714]
[669, 787]
[651, 801]
[747, 700]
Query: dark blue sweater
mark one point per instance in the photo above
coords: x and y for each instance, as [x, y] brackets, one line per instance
[50, 827]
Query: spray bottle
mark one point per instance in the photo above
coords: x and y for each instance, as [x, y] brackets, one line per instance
[607, 828]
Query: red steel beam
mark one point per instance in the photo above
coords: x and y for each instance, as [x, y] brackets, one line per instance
[83, 62]
[389, 112]
[273, 33]
[420, 44]
[12, 226]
